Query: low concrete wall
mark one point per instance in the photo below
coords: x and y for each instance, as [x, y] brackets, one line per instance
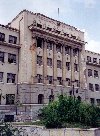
[41, 131]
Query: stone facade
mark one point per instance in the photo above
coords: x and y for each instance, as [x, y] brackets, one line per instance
[50, 60]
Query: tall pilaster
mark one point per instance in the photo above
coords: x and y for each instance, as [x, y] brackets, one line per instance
[72, 66]
[54, 64]
[44, 61]
[33, 49]
[63, 65]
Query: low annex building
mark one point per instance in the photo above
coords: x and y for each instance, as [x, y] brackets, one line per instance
[41, 58]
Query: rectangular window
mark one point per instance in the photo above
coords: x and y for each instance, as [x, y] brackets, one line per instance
[59, 80]
[39, 43]
[49, 78]
[40, 78]
[75, 52]
[49, 61]
[39, 25]
[88, 59]
[1, 56]
[91, 87]
[67, 50]
[10, 98]
[75, 67]
[0, 98]
[2, 37]
[1, 76]
[68, 81]
[39, 60]
[94, 60]
[68, 65]
[12, 39]
[10, 78]
[96, 73]
[89, 72]
[59, 64]
[58, 48]
[49, 46]
[77, 83]
[98, 102]
[92, 100]
[11, 58]
[96, 87]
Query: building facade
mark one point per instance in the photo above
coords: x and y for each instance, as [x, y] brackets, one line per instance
[93, 76]
[47, 59]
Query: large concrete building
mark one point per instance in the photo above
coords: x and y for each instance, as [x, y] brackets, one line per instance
[47, 59]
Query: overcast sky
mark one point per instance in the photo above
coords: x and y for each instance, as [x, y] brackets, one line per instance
[83, 14]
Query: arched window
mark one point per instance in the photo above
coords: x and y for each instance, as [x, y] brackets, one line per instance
[79, 98]
[40, 99]
[51, 98]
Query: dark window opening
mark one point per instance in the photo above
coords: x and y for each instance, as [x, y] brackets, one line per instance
[11, 58]
[39, 43]
[89, 72]
[67, 50]
[1, 56]
[2, 37]
[58, 48]
[12, 39]
[94, 60]
[10, 98]
[50, 79]
[92, 100]
[96, 87]
[68, 81]
[48, 28]
[79, 98]
[88, 59]
[49, 61]
[40, 99]
[39, 60]
[9, 118]
[91, 87]
[10, 78]
[40, 78]
[1, 76]
[49, 46]
[51, 98]
[68, 65]
[96, 73]
[75, 67]
[39, 25]
[59, 80]
[59, 65]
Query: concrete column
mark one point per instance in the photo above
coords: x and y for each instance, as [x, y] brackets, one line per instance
[54, 64]
[33, 49]
[44, 61]
[72, 66]
[63, 65]
[81, 72]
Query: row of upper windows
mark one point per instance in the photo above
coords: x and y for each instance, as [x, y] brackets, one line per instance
[89, 59]
[12, 39]
[58, 48]
[11, 57]
[10, 77]
[90, 73]
[59, 63]
[59, 79]
[91, 87]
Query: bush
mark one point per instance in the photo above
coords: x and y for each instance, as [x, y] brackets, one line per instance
[70, 110]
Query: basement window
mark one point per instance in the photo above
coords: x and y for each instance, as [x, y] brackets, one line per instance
[11, 58]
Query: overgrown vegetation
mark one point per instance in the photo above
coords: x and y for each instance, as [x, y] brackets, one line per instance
[68, 110]
[6, 129]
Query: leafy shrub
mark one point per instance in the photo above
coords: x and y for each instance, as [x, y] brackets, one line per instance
[70, 110]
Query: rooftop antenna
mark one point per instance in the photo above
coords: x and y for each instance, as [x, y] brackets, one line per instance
[58, 14]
